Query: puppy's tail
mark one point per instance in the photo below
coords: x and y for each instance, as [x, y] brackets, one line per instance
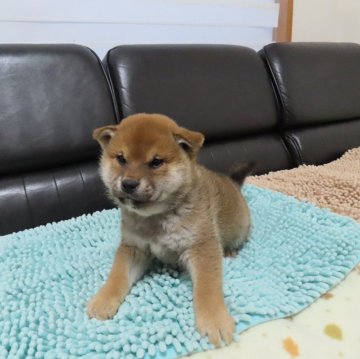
[239, 171]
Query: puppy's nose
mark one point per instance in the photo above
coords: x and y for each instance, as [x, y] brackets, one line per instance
[129, 185]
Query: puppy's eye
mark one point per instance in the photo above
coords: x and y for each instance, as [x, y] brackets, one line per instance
[156, 163]
[121, 159]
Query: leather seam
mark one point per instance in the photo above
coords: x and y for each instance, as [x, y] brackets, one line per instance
[293, 160]
[277, 89]
[117, 93]
[296, 148]
[278, 101]
[28, 202]
[58, 194]
[110, 86]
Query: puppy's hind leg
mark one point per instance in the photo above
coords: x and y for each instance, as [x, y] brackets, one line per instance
[233, 249]
[129, 266]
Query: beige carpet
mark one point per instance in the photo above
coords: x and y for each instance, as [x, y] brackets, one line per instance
[335, 185]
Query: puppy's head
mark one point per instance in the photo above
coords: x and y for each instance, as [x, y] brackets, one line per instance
[147, 161]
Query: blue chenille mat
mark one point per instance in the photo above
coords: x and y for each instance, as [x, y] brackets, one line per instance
[296, 253]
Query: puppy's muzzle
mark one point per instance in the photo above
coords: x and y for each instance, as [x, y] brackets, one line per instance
[129, 185]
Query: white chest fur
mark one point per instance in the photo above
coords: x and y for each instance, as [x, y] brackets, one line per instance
[165, 239]
[170, 244]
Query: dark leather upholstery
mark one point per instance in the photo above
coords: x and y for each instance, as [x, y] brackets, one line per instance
[267, 152]
[53, 96]
[51, 99]
[321, 144]
[318, 86]
[35, 198]
[316, 82]
[222, 91]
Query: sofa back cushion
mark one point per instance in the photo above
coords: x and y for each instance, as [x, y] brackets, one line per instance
[318, 85]
[223, 91]
[51, 99]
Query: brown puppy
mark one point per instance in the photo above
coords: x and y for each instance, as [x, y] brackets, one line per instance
[173, 209]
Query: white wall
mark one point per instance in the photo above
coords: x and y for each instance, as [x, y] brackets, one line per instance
[102, 24]
[350, 20]
[326, 20]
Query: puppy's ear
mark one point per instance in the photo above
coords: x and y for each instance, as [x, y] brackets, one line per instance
[104, 134]
[190, 141]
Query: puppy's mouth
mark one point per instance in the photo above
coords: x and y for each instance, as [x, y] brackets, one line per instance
[134, 201]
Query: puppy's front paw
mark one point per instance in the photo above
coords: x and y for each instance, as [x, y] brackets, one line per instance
[218, 325]
[103, 306]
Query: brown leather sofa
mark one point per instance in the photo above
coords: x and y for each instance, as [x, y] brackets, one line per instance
[287, 105]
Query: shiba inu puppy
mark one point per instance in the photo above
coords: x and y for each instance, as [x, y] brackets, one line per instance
[173, 209]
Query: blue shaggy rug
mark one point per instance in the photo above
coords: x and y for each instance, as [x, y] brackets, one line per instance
[296, 253]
